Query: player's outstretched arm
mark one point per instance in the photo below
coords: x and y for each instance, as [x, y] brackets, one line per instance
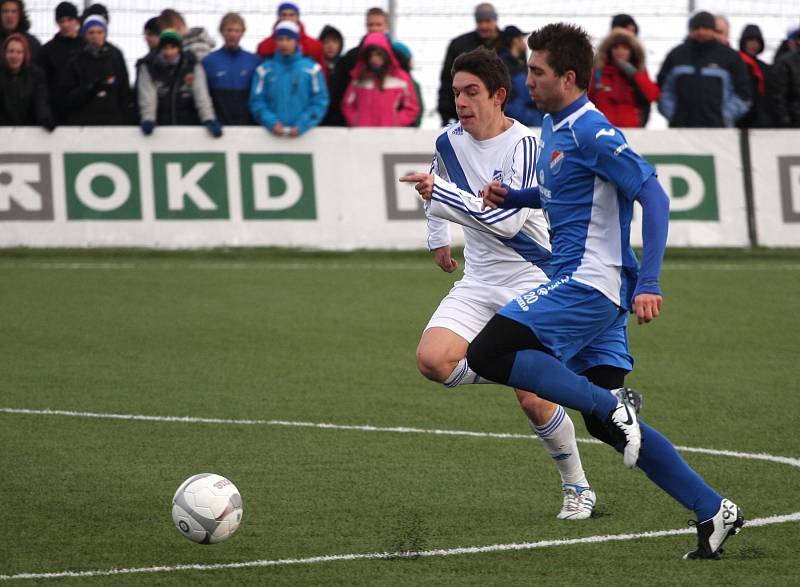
[423, 183]
[655, 219]
[445, 200]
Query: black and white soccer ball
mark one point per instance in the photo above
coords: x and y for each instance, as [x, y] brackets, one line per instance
[207, 508]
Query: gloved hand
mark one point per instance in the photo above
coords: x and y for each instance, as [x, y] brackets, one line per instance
[214, 127]
[148, 126]
[628, 68]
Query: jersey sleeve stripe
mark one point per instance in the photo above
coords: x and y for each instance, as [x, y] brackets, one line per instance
[496, 215]
[454, 199]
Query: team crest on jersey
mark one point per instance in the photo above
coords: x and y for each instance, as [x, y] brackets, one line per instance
[497, 175]
[556, 159]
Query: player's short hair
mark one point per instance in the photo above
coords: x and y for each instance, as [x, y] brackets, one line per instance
[231, 18]
[487, 66]
[568, 48]
[170, 19]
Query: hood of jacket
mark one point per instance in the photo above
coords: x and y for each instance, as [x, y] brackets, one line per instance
[198, 35]
[751, 31]
[329, 31]
[381, 41]
[616, 37]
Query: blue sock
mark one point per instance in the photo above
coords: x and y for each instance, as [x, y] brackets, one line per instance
[546, 376]
[665, 467]
[550, 379]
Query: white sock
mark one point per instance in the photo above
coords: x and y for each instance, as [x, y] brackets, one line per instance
[558, 436]
[463, 375]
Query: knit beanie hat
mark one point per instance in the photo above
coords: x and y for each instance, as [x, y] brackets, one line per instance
[623, 21]
[289, 6]
[66, 10]
[702, 20]
[287, 28]
[92, 21]
[169, 37]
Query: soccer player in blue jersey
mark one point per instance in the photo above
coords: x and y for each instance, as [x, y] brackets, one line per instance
[588, 178]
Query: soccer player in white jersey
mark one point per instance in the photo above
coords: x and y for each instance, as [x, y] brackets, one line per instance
[505, 252]
[588, 179]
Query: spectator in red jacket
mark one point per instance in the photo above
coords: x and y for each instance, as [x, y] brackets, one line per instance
[309, 46]
[620, 86]
[381, 92]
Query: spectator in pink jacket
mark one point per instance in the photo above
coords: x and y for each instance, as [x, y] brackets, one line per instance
[380, 92]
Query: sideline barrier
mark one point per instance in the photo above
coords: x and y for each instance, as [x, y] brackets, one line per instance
[334, 188]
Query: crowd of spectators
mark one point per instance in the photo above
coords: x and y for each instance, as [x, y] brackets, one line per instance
[295, 81]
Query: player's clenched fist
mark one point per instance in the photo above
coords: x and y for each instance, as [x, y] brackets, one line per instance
[493, 194]
[423, 181]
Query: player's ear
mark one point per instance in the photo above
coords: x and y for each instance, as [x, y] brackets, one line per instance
[569, 78]
[500, 96]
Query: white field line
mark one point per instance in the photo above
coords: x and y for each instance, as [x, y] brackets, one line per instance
[344, 266]
[794, 462]
[442, 552]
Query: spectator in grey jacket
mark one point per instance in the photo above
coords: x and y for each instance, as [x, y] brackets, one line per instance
[195, 39]
[172, 88]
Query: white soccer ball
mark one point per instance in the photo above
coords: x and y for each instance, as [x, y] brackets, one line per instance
[207, 508]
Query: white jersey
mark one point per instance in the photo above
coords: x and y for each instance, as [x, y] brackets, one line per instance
[501, 246]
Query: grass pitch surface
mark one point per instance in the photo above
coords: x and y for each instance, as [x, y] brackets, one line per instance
[330, 338]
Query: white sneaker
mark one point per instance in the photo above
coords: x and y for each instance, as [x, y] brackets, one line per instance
[713, 533]
[578, 502]
[623, 424]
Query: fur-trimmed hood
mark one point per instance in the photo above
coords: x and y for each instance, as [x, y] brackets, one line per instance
[616, 37]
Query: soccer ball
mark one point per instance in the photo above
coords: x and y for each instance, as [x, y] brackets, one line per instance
[207, 508]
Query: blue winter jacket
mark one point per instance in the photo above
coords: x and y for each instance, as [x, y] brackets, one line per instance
[290, 90]
[230, 75]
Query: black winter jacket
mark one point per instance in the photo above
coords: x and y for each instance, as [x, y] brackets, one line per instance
[23, 98]
[53, 58]
[703, 85]
[96, 88]
[786, 84]
[461, 44]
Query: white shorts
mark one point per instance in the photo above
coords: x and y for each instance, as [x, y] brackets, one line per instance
[470, 304]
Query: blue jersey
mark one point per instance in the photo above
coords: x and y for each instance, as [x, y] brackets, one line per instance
[588, 178]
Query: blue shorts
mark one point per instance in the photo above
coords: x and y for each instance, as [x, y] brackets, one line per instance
[579, 325]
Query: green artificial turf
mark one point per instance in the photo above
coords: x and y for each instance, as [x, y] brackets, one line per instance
[330, 338]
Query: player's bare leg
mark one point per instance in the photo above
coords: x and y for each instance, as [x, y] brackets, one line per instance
[441, 357]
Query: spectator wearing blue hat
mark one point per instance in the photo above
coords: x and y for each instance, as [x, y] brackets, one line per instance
[289, 95]
[309, 46]
[95, 86]
[172, 89]
[229, 72]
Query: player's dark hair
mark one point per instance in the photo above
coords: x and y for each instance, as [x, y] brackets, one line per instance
[568, 49]
[487, 66]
